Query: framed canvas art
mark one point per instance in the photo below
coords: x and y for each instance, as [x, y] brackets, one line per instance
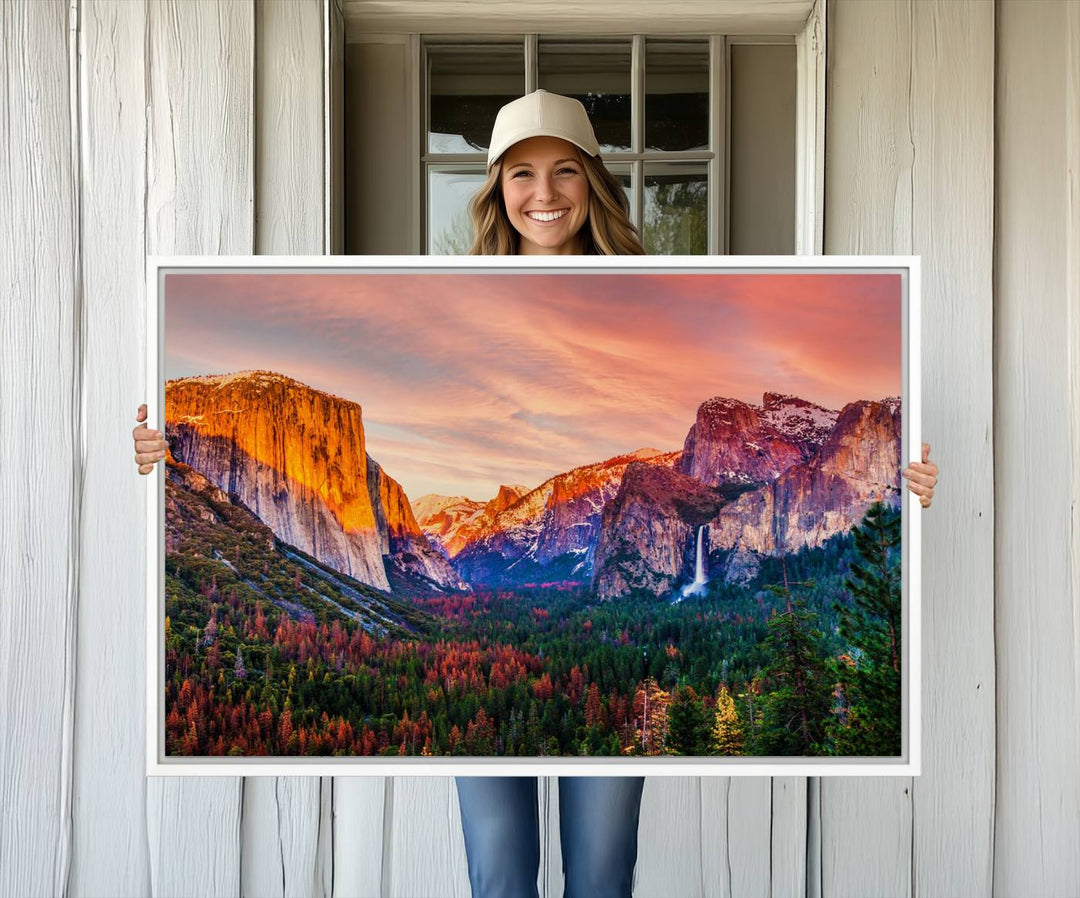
[508, 515]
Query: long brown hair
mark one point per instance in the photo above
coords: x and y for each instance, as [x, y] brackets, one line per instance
[608, 230]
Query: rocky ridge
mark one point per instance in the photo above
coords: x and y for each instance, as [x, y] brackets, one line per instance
[296, 457]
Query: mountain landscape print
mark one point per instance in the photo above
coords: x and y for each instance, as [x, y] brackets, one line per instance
[524, 515]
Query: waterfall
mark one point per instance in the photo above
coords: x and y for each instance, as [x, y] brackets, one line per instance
[699, 569]
[697, 588]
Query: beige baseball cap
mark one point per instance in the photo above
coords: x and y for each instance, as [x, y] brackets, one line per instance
[541, 114]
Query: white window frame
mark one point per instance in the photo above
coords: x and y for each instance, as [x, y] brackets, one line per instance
[809, 40]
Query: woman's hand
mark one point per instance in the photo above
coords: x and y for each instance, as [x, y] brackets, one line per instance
[149, 444]
[922, 477]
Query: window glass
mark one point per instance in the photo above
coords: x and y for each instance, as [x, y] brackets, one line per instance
[676, 208]
[624, 176]
[449, 190]
[676, 95]
[467, 84]
[597, 74]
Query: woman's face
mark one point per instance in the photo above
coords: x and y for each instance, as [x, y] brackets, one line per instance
[546, 195]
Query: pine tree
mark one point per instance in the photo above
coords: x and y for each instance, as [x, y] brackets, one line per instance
[795, 712]
[688, 723]
[532, 731]
[869, 674]
[752, 704]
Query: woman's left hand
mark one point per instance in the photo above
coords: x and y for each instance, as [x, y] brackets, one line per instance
[922, 477]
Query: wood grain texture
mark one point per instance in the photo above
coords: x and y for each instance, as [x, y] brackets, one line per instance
[909, 170]
[424, 851]
[41, 456]
[788, 836]
[551, 872]
[670, 839]
[200, 186]
[280, 836]
[1037, 822]
[952, 127]
[358, 826]
[283, 815]
[1072, 305]
[111, 854]
[289, 127]
[737, 846]
[199, 201]
[865, 836]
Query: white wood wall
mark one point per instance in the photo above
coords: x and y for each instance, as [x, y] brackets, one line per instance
[1037, 450]
[200, 127]
[909, 169]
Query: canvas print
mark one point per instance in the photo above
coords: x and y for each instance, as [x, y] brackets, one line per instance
[533, 515]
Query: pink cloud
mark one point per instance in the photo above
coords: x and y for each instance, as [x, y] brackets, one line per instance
[471, 380]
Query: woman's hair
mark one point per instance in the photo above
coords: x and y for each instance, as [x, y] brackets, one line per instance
[608, 230]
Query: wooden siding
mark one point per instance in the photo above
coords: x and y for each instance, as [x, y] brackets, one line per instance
[135, 127]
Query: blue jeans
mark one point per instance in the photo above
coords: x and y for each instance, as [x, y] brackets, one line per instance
[598, 823]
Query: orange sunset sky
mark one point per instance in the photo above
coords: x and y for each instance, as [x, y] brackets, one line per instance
[471, 380]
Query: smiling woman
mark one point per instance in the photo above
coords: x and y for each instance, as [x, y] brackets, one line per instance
[546, 195]
[547, 190]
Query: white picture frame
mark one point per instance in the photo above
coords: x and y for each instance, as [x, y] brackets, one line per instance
[907, 764]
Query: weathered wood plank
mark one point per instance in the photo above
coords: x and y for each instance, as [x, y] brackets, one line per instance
[670, 839]
[282, 815]
[199, 199]
[425, 849]
[200, 189]
[789, 849]
[358, 823]
[865, 838]
[1037, 451]
[41, 456]
[551, 872]
[952, 122]
[280, 836]
[289, 127]
[737, 847]
[110, 725]
[912, 173]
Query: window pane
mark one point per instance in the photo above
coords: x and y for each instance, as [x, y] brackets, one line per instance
[466, 86]
[449, 192]
[597, 74]
[624, 176]
[676, 95]
[676, 208]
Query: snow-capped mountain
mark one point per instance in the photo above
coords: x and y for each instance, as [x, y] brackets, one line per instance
[452, 522]
[550, 532]
[736, 442]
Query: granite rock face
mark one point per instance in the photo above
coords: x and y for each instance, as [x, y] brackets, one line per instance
[829, 482]
[296, 458]
[857, 465]
[402, 542]
[735, 442]
[647, 530]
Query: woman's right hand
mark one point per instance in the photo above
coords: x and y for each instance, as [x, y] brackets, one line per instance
[149, 444]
